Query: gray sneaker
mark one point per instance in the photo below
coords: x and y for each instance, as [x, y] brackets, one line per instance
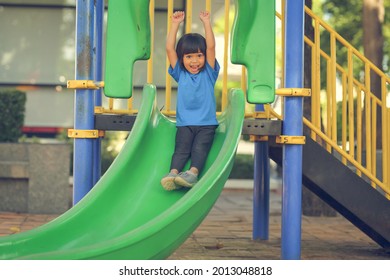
[168, 182]
[186, 179]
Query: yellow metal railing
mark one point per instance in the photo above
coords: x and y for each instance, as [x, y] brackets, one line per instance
[334, 84]
[354, 135]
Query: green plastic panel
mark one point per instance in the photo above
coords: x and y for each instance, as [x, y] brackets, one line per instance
[128, 215]
[128, 40]
[253, 45]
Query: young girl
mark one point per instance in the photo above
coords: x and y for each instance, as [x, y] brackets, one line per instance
[195, 69]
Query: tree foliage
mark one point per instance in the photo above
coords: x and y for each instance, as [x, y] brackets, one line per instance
[346, 17]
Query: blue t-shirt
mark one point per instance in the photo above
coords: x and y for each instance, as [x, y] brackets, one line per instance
[195, 95]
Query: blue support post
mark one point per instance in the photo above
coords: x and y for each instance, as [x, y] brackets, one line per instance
[99, 22]
[293, 113]
[84, 99]
[261, 189]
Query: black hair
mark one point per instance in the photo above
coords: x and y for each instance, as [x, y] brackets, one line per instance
[190, 43]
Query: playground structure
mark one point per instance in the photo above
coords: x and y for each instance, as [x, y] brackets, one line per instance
[137, 233]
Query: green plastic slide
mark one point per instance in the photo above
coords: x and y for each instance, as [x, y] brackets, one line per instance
[253, 45]
[128, 215]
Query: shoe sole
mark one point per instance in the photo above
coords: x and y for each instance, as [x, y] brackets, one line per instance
[181, 182]
[169, 184]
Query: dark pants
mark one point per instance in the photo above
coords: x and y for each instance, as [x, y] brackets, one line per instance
[192, 142]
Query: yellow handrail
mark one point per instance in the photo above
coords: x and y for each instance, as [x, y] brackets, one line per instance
[360, 107]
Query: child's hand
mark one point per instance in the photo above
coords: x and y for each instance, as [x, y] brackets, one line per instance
[204, 16]
[178, 17]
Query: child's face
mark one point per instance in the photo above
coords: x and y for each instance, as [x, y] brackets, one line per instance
[194, 62]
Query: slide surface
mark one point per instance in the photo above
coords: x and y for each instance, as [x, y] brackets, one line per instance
[128, 215]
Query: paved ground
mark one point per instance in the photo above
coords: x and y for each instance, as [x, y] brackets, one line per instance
[226, 233]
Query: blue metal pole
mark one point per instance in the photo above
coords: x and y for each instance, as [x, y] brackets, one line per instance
[84, 99]
[261, 189]
[261, 192]
[99, 21]
[293, 112]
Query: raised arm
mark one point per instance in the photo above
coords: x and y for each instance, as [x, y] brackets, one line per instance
[209, 35]
[177, 18]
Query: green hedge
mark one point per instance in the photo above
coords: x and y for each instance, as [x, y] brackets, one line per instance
[12, 110]
[243, 167]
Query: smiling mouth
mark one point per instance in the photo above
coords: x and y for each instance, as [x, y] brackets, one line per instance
[194, 68]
